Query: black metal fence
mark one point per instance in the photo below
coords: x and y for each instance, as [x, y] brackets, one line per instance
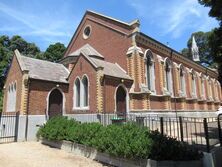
[8, 127]
[203, 133]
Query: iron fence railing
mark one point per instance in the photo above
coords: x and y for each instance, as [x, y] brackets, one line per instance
[8, 126]
[203, 133]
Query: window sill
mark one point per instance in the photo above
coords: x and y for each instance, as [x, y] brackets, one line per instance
[80, 108]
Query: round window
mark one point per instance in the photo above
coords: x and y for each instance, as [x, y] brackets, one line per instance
[86, 32]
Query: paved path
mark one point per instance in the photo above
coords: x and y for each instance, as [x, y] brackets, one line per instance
[34, 154]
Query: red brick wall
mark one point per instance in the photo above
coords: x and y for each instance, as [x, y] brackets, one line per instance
[156, 103]
[83, 67]
[110, 43]
[14, 74]
[109, 91]
[38, 93]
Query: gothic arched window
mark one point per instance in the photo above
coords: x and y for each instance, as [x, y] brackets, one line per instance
[168, 76]
[182, 81]
[77, 93]
[85, 91]
[150, 70]
[193, 84]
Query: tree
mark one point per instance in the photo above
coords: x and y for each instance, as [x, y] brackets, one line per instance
[7, 46]
[53, 53]
[202, 40]
[216, 6]
[215, 40]
[28, 49]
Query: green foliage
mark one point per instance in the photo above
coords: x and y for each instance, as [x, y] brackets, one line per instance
[8, 45]
[167, 148]
[29, 49]
[215, 8]
[53, 52]
[215, 40]
[125, 141]
[202, 40]
[56, 128]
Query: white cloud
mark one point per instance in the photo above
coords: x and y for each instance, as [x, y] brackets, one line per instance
[174, 17]
[45, 27]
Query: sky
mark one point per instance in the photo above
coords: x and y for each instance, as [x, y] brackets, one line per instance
[46, 22]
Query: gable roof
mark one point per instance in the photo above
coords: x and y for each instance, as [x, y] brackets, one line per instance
[42, 70]
[136, 21]
[130, 26]
[111, 69]
[87, 50]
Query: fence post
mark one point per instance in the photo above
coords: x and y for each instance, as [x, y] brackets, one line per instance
[219, 129]
[161, 125]
[181, 128]
[206, 134]
[16, 126]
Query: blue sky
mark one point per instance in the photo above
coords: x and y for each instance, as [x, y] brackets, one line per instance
[45, 22]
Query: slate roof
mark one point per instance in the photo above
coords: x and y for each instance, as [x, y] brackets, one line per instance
[111, 69]
[43, 70]
[86, 50]
[97, 60]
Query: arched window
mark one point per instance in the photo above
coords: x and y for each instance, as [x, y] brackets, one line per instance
[219, 90]
[14, 97]
[168, 76]
[150, 70]
[77, 93]
[11, 97]
[203, 87]
[85, 91]
[193, 84]
[210, 89]
[213, 90]
[8, 97]
[182, 81]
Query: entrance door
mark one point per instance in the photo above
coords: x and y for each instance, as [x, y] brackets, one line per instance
[55, 103]
[121, 101]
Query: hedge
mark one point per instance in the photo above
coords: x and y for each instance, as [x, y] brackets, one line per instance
[124, 141]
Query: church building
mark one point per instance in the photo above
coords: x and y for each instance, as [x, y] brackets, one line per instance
[111, 66]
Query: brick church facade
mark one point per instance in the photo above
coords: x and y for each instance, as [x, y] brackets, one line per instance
[110, 66]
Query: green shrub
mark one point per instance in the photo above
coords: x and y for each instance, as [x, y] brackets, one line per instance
[57, 128]
[168, 148]
[125, 141]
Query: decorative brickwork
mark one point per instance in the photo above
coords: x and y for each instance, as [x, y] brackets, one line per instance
[24, 93]
[99, 90]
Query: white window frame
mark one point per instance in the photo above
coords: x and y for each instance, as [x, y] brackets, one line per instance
[75, 94]
[11, 97]
[203, 89]
[193, 84]
[83, 92]
[151, 68]
[210, 89]
[168, 76]
[182, 81]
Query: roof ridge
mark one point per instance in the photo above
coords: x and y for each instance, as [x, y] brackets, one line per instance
[87, 46]
[135, 21]
[35, 59]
